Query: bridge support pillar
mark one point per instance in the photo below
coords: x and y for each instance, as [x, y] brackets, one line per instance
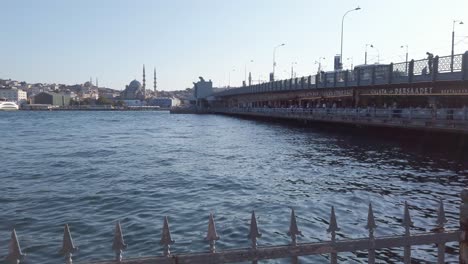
[465, 66]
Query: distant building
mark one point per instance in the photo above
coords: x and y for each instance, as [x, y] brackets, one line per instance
[202, 88]
[134, 102]
[133, 91]
[88, 90]
[164, 102]
[47, 98]
[14, 95]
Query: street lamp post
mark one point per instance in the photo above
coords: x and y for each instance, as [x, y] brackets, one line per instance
[229, 81]
[378, 54]
[352, 62]
[292, 69]
[365, 54]
[453, 42]
[274, 59]
[406, 61]
[319, 62]
[342, 26]
[245, 71]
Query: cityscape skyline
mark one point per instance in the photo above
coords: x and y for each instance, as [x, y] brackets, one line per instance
[58, 42]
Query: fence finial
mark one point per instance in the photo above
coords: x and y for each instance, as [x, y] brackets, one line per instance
[370, 219]
[407, 223]
[441, 219]
[166, 238]
[118, 245]
[68, 248]
[212, 236]
[293, 229]
[14, 250]
[254, 233]
[333, 226]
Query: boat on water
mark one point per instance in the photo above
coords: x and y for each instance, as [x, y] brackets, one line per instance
[8, 106]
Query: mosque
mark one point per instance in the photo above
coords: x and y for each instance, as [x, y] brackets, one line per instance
[136, 91]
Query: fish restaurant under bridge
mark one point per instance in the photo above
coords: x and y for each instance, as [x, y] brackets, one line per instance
[441, 82]
[430, 94]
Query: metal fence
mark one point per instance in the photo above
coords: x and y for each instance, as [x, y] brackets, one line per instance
[438, 236]
[445, 63]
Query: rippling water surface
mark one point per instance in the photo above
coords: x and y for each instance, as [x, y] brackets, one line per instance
[89, 169]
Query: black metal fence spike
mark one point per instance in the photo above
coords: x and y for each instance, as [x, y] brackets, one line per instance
[14, 250]
[68, 247]
[166, 238]
[254, 233]
[118, 244]
[212, 235]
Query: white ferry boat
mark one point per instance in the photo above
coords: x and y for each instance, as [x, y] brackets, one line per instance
[8, 106]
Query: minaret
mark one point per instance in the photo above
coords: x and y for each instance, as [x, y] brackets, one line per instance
[97, 82]
[144, 82]
[155, 84]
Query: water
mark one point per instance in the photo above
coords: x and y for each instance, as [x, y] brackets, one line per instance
[90, 169]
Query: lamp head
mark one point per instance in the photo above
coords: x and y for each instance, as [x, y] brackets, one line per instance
[357, 8]
[461, 23]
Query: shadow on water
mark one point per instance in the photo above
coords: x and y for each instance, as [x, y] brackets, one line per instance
[437, 145]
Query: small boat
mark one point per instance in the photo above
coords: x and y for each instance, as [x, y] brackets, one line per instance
[8, 106]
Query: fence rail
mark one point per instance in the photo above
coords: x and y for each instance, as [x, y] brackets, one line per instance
[294, 250]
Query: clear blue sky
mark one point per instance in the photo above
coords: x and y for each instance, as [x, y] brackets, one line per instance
[64, 41]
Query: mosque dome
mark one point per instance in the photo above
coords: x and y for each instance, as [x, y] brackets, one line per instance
[134, 85]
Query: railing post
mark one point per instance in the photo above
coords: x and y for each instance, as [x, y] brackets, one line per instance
[465, 66]
[373, 75]
[410, 71]
[390, 73]
[464, 227]
[358, 76]
[325, 79]
[435, 68]
[346, 78]
[334, 78]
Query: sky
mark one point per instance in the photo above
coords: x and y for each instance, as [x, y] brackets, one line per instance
[65, 41]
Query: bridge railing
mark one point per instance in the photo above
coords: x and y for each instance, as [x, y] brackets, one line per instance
[438, 236]
[438, 68]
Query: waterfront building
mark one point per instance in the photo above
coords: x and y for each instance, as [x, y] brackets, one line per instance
[49, 98]
[14, 95]
[134, 102]
[164, 102]
[201, 91]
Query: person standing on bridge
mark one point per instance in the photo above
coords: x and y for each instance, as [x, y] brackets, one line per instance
[430, 61]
